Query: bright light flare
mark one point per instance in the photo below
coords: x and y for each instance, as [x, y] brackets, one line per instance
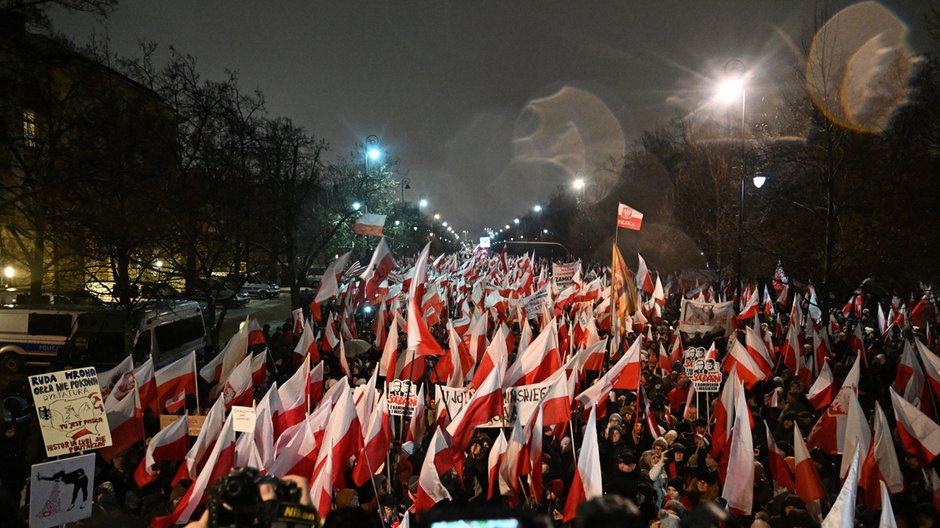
[730, 90]
[578, 184]
[374, 153]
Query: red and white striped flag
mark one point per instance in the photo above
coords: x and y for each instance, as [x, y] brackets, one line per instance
[369, 224]
[495, 461]
[808, 485]
[919, 434]
[176, 378]
[430, 488]
[586, 484]
[739, 491]
[485, 403]
[169, 445]
[125, 418]
[881, 464]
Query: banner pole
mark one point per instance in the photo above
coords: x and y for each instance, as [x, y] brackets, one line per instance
[196, 373]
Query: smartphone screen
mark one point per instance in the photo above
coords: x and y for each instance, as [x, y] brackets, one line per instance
[477, 523]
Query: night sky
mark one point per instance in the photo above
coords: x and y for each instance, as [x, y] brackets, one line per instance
[489, 106]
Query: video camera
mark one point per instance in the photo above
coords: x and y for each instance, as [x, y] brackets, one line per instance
[235, 502]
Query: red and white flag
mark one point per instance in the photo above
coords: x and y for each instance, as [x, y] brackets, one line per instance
[218, 369]
[643, 279]
[220, 461]
[176, 378]
[485, 403]
[881, 464]
[586, 484]
[420, 339]
[369, 224]
[169, 445]
[125, 418]
[297, 451]
[378, 439]
[321, 491]
[919, 434]
[329, 282]
[238, 389]
[537, 362]
[109, 378]
[496, 355]
[738, 358]
[823, 390]
[829, 431]
[430, 488]
[344, 432]
[377, 270]
[739, 491]
[293, 396]
[808, 485]
[196, 457]
[494, 462]
[779, 470]
[307, 345]
[629, 218]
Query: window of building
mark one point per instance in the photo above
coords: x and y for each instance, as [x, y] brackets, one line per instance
[29, 128]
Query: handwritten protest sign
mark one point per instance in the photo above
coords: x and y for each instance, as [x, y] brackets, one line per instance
[562, 274]
[519, 403]
[71, 411]
[534, 303]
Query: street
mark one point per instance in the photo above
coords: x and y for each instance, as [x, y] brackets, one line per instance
[266, 311]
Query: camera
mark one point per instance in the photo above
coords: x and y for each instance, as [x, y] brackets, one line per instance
[235, 502]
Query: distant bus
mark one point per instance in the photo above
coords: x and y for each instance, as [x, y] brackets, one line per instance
[33, 336]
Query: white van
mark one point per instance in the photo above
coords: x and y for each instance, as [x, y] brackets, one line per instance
[165, 331]
[32, 337]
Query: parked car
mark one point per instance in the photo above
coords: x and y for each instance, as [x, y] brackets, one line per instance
[33, 336]
[223, 297]
[255, 287]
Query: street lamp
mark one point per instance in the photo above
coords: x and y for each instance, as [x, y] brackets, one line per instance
[437, 216]
[356, 206]
[578, 184]
[372, 150]
[422, 203]
[537, 208]
[515, 221]
[760, 179]
[405, 184]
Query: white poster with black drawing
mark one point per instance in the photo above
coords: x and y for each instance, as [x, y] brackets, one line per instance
[61, 491]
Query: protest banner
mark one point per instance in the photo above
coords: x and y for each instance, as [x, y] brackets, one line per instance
[193, 422]
[519, 403]
[401, 396]
[562, 274]
[243, 419]
[61, 491]
[705, 317]
[689, 355]
[534, 303]
[70, 410]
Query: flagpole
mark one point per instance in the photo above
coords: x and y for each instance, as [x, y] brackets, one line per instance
[196, 374]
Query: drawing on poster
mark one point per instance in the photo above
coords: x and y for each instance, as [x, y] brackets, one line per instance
[61, 491]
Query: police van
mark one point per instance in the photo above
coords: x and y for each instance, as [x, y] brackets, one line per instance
[165, 331]
[32, 337]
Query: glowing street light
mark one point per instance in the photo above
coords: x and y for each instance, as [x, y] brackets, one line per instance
[9, 272]
[578, 184]
[760, 179]
[423, 203]
[537, 208]
[515, 221]
[437, 216]
[507, 227]
[444, 223]
[356, 206]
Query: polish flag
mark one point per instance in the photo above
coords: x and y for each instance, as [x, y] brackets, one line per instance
[293, 396]
[420, 339]
[378, 439]
[378, 326]
[238, 389]
[329, 282]
[175, 403]
[509, 470]
[738, 358]
[430, 488]
[828, 433]
[495, 461]
[823, 390]
[390, 353]
[176, 378]
[758, 351]
[778, 467]
[887, 513]
[196, 457]
[369, 224]
[599, 391]
[419, 420]
[263, 435]
[307, 346]
[842, 513]
[321, 491]
[344, 361]
[459, 356]
[316, 384]
[259, 367]
[343, 432]
[751, 308]
[643, 280]
[556, 404]
[881, 464]
[586, 484]
[931, 366]
[125, 419]
[220, 461]
[534, 434]
[476, 337]
[496, 354]
[724, 414]
[659, 294]
[676, 352]
[378, 269]
[808, 486]
[791, 350]
[169, 445]
[919, 434]
[147, 386]
[109, 378]
[246, 453]
[739, 491]
[299, 323]
[537, 362]
[485, 403]
[330, 339]
[857, 433]
[255, 332]
[298, 451]
[219, 368]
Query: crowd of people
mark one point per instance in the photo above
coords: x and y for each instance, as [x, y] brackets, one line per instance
[656, 444]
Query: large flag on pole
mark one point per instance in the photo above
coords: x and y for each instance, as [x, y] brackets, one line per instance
[586, 483]
[369, 224]
[622, 289]
[629, 218]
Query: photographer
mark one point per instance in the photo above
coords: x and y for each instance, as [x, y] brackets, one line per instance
[245, 498]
